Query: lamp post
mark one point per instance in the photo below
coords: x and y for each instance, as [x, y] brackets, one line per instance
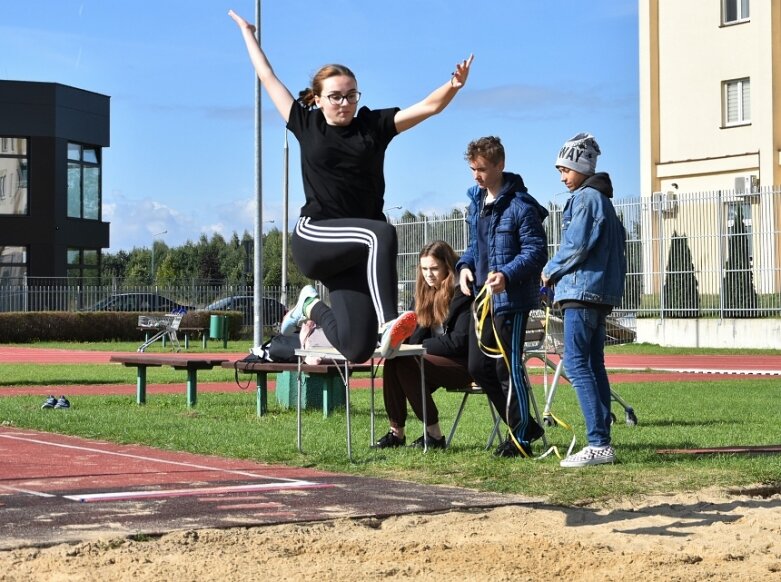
[388, 209]
[152, 274]
[257, 296]
[285, 196]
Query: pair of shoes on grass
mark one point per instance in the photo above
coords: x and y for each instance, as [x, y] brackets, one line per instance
[589, 455]
[392, 441]
[59, 403]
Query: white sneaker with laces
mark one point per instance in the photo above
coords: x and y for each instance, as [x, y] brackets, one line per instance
[590, 456]
[295, 317]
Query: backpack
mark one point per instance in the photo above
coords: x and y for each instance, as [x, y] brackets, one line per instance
[280, 348]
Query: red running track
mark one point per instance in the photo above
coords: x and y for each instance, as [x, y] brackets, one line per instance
[643, 368]
[731, 364]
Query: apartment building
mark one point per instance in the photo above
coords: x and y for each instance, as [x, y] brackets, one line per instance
[710, 95]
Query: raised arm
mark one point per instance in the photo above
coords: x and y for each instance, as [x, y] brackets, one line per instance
[279, 94]
[436, 101]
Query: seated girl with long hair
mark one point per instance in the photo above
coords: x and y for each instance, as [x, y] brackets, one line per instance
[443, 313]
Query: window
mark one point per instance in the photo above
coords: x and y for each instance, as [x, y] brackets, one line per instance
[83, 182]
[737, 102]
[734, 11]
[13, 264]
[13, 175]
[83, 264]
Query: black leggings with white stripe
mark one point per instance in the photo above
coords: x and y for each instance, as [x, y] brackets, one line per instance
[355, 259]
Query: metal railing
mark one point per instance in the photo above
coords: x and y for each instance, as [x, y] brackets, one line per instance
[703, 254]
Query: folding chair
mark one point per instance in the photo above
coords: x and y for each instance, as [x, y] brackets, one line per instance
[467, 392]
[544, 340]
[497, 420]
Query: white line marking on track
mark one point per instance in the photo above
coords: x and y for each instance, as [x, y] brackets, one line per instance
[125, 495]
[28, 491]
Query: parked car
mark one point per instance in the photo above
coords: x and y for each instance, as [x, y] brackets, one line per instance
[137, 302]
[273, 310]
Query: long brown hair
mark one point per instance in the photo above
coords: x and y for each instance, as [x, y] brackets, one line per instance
[307, 96]
[431, 305]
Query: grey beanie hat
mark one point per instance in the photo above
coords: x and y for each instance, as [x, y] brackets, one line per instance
[579, 153]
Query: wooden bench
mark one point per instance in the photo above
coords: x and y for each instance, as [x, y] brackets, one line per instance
[142, 361]
[263, 369]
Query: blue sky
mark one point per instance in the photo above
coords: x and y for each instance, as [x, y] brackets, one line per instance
[181, 158]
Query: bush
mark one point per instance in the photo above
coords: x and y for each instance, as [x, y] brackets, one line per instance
[93, 326]
[740, 296]
[680, 294]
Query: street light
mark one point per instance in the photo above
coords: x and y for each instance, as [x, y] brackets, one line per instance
[388, 209]
[153, 252]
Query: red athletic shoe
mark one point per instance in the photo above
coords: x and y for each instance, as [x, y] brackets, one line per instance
[396, 332]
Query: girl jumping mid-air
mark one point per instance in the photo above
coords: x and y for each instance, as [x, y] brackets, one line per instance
[342, 237]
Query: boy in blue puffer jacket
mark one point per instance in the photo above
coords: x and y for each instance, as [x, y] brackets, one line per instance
[588, 271]
[506, 253]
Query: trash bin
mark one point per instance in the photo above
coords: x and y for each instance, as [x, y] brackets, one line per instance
[217, 327]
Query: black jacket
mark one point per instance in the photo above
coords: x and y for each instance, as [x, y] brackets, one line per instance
[455, 341]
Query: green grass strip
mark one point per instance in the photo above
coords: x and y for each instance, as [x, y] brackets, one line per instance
[671, 415]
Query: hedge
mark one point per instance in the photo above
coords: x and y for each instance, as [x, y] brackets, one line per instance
[94, 326]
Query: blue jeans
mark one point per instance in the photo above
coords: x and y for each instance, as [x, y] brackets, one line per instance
[584, 363]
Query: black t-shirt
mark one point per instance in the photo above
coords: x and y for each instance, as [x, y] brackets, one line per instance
[342, 167]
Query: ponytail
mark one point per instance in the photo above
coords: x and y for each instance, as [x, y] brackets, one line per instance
[307, 98]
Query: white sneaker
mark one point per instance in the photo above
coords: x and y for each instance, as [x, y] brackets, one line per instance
[590, 456]
[295, 317]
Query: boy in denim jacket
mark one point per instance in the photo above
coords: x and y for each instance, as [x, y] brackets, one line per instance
[588, 272]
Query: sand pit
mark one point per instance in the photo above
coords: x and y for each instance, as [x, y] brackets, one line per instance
[714, 535]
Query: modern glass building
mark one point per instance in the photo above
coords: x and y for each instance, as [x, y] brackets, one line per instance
[51, 142]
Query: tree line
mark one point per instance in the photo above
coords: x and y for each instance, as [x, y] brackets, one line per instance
[209, 259]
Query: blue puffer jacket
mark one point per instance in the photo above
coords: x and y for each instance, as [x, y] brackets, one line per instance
[590, 265]
[517, 243]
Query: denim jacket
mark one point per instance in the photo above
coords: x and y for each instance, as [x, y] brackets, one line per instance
[590, 265]
[517, 244]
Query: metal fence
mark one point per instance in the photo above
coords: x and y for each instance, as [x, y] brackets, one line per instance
[704, 254]
[707, 254]
[51, 294]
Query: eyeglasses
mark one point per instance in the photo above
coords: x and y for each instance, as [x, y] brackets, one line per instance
[339, 99]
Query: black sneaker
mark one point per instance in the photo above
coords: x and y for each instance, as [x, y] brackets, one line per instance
[390, 441]
[62, 402]
[50, 402]
[533, 431]
[431, 442]
[508, 449]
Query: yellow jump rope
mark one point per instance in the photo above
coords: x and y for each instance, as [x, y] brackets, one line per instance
[482, 311]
